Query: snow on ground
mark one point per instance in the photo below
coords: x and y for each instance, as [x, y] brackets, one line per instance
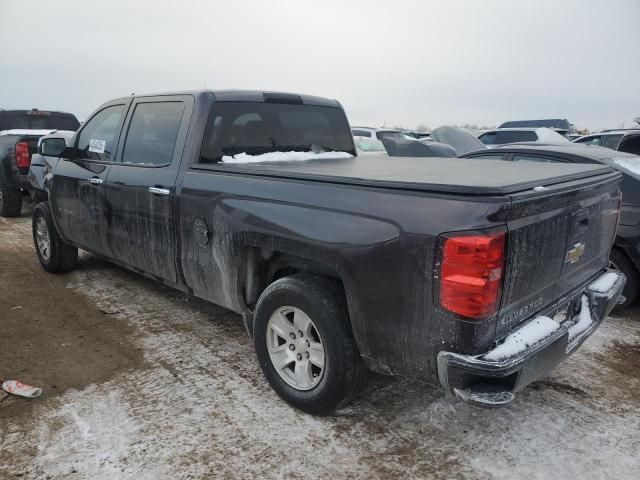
[284, 157]
[200, 408]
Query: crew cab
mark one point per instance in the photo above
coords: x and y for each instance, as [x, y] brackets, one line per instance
[19, 134]
[480, 276]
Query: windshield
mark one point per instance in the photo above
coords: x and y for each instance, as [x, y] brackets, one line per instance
[257, 128]
[367, 144]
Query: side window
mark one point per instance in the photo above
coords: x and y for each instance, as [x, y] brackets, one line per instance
[97, 136]
[492, 156]
[152, 133]
[593, 140]
[361, 133]
[514, 136]
[631, 144]
[488, 138]
[533, 158]
[611, 141]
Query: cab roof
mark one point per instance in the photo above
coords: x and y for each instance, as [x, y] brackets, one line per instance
[256, 96]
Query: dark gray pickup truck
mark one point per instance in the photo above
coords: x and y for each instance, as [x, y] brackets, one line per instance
[19, 134]
[479, 276]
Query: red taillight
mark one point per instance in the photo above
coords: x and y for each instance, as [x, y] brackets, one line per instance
[471, 274]
[23, 160]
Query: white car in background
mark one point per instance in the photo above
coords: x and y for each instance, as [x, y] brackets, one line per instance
[376, 133]
[366, 146]
[500, 136]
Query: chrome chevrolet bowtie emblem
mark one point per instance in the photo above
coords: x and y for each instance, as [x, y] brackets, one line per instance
[575, 253]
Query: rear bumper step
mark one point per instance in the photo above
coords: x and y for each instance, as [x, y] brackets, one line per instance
[491, 379]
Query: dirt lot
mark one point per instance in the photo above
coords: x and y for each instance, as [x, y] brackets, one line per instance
[140, 382]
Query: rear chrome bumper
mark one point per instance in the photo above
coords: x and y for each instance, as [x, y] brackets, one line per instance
[492, 378]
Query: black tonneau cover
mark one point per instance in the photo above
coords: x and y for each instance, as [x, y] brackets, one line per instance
[450, 175]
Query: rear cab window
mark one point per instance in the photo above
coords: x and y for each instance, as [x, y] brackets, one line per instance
[38, 120]
[255, 128]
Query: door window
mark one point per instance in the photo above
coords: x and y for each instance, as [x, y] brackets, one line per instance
[611, 141]
[96, 140]
[152, 133]
[592, 140]
[489, 156]
[488, 138]
[631, 144]
[533, 158]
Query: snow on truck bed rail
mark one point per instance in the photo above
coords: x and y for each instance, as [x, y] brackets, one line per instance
[283, 157]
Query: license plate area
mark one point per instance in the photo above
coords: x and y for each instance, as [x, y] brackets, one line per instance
[568, 310]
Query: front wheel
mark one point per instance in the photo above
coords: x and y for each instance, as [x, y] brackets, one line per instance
[305, 346]
[54, 254]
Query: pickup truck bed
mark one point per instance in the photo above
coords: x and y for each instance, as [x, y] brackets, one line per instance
[462, 176]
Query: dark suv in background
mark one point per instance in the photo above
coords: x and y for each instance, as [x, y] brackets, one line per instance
[625, 254]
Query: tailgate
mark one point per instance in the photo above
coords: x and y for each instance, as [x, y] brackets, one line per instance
[558, 239]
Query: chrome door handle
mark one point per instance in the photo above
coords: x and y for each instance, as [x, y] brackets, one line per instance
[159, 191]
[96, 181]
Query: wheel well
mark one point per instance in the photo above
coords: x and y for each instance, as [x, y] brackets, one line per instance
[263, 267]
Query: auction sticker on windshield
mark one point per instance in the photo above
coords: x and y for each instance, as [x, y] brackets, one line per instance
[97, 146]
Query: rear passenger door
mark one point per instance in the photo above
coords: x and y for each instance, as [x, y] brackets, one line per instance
[141, 185]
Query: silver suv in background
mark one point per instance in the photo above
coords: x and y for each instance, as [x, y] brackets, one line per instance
[501, 136]
[621, 140]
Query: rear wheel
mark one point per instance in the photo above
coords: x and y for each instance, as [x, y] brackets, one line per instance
[54, 254]
[304, 343]
[10, 201]
[619, 261]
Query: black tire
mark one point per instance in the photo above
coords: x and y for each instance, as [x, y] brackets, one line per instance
[322, 300]
[61, 257]
[10, 201]
[620, 261]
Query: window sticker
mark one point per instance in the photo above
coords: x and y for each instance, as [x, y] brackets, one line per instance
[97, 146]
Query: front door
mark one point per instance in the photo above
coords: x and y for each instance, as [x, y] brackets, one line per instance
[141, 185]
[78, 188]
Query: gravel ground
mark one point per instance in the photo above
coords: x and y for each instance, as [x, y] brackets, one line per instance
[142, 383]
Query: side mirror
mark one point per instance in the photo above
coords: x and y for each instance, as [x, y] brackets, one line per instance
[53, 147]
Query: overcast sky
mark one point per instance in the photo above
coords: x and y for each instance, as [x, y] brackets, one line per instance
[396, 62]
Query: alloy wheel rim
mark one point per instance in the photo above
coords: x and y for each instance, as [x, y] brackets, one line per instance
[295, 348]
[42, 238]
